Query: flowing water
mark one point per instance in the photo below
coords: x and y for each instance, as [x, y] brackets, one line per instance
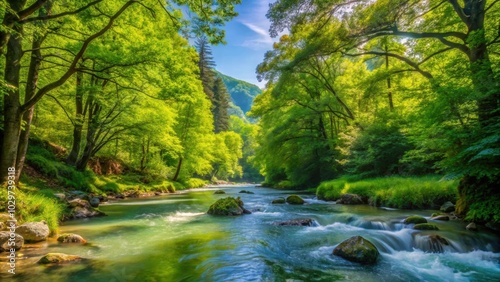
[170, 238]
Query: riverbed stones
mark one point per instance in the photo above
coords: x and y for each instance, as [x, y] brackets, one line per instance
[94, 202]
[219, 192]
[34, 231]
[82, 209]
[4, 241]
[296, 222]
[294, 200]
[58, 258]
[471, 226]
[279, 201]
[71, 238]
[415, 219]
[350, 199]
[447, 207]
[425, 226]
[228, 206]
[357, 249]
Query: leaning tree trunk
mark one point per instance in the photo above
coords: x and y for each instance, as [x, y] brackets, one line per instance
[78, 122]
[31, 87]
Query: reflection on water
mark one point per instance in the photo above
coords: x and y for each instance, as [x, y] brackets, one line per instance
[170, 238]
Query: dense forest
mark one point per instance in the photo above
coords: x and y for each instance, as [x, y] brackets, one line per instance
[376, 139]
[356, 90]
[381, 88]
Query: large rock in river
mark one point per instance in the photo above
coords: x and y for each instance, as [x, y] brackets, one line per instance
[447, 207]
[58, 258]
[4, 241]
[71, 238]
[415, 219]
[357, 249]
[294, 200]
[34, 231]
[82, 209]
[296, 222]
[350, 199]
[227, 206]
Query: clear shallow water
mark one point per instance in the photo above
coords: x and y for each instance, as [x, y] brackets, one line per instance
[170, 238]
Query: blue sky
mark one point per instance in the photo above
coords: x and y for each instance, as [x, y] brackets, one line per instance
[248, 39]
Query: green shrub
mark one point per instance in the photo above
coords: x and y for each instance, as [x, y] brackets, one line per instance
[396, 192]
[195, 183]
[37, 207]
[330, 190]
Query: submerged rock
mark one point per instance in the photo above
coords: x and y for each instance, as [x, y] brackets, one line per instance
[246, 192]
[296, 222]
[294, 200]
[441, 217]
[71, 238]
[58, 258]
[228, 206]
[415, 219]
[357, 249]
[4, 241]
[471, 226]
[34, 231]
[279, 201]
[425, 226]
[219, 192]
[350, 199]
[431, 243]
[447, 207]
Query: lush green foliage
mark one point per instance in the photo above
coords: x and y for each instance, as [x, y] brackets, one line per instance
[396, 192]
[382, 88]
[242, 93]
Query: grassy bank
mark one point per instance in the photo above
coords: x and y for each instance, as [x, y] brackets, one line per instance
[395, 192]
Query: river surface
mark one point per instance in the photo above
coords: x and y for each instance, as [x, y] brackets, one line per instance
[171, 238]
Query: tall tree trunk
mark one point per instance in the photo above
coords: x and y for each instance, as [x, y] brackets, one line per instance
[31, 86]
[12, 105]
[91, 132]
[78, 122]
[483, 76]
[389, 92]
[178, 170]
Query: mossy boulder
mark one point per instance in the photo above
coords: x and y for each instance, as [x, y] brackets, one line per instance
[425, 226]
[219, 192]
[227, 206]
[357, 249]
[415, 219]
[294, 200]
[58, 258]
[447, 207]
[279, 201]
[471, 226]
[246, 192]
[71, 238]
[441, 217]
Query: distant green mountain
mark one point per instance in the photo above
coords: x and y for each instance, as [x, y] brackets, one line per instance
[242, 93]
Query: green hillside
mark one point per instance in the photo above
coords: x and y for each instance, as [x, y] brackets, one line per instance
[242, 93]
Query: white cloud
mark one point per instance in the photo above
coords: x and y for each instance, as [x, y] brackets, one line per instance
[255, 20]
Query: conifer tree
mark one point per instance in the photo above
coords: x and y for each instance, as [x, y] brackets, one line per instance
[220, 106]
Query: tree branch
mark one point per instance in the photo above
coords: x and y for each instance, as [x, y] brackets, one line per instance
[50, 17]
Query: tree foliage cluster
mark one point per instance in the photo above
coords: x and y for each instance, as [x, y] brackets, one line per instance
[114, 78]
[383, 87]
